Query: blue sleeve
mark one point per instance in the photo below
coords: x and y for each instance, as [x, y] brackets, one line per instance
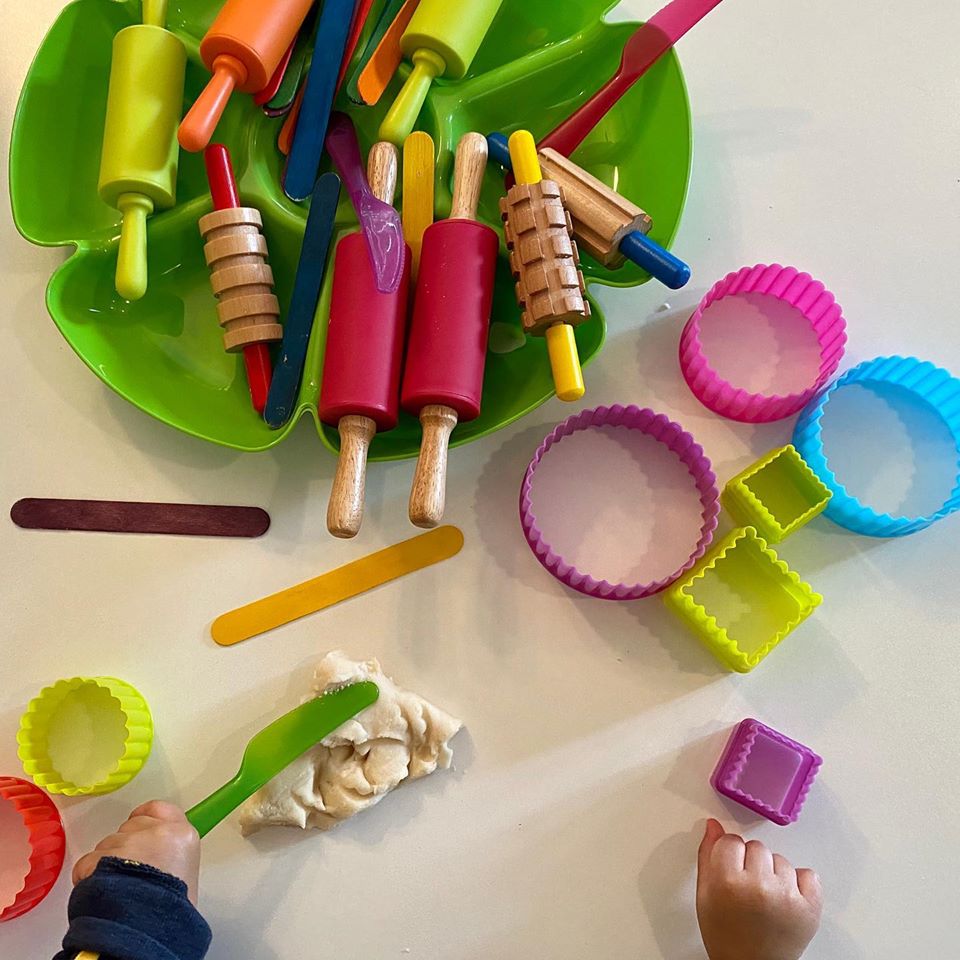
[129, 911]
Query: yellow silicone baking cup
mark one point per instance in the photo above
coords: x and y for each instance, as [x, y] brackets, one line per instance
[35, 725]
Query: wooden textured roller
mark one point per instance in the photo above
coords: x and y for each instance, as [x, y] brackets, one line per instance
[241, 278]
[544, 257]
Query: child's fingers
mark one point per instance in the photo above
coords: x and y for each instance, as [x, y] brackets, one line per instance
[782, 867]
[809, 883]
[729, 853]
[713, 832]
[158, 810]
[758, 859]
[138, 823]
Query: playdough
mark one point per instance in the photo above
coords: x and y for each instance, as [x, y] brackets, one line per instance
[400, 737]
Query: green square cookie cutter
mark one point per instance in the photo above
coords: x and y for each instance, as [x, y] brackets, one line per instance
[164, 353]
[777, 495]
[742, 600]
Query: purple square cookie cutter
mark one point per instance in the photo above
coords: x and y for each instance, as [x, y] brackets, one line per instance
[766, 772]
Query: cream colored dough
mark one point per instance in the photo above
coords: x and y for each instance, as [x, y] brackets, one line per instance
[400, 737]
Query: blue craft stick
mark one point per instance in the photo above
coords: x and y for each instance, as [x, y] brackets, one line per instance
[638, 247]
[303, 163]
[303, 305]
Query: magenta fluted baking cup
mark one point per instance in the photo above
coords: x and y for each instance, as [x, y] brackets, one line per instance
[818, 306]
[665, 431]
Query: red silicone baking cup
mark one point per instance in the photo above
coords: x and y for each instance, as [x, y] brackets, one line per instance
[818, 306]
[47, 843]
[665, 431]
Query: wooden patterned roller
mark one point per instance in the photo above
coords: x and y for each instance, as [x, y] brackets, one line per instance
[544, 257]
[241, 278]
[601, 217]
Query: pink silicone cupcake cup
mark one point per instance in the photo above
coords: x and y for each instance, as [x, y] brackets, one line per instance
[665, 431]
[818, 306]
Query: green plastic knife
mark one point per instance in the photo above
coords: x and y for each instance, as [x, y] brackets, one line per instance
[279, 745]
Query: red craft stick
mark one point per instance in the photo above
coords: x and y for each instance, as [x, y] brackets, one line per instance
[116, 516]
[226, 196]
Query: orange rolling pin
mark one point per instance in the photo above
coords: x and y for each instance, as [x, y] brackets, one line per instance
[242, 49]
[546, 264]
[447, 353]
[360, 387]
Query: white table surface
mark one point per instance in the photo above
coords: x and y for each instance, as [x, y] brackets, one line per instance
[827, 135]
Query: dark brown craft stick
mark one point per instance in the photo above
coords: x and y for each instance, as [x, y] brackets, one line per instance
[116, 516]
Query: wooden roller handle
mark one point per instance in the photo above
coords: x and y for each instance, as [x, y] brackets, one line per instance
[429, 493]
[345, 509]
[383, 170]
[471, 165]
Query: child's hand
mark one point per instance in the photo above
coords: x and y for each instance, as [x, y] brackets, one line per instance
[156, 834]
[751, 903]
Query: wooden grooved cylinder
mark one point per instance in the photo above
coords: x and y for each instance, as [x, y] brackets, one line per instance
[241, 279]
[544, 257]
[602, 218]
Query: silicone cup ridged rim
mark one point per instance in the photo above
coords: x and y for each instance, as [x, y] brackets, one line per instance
[706, 626]
[732, 764]
[47, 844]
[34, 726]
[745, 506]
[818, 306]
[665, 431]
[926, 382]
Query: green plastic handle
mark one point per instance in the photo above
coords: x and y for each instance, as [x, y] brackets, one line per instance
[278, 745]
[219, 805]
[155, 12]
[402, 118]
[132, 256]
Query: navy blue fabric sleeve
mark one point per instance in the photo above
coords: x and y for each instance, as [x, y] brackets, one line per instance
[129, 911]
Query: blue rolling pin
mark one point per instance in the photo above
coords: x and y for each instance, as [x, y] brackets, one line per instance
[634, 245]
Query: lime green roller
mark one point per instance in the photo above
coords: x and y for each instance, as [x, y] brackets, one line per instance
[138, 168]
[441, 43]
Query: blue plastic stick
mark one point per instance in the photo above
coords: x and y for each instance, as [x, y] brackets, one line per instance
[303, 304]
[304, 161]
[638, 247]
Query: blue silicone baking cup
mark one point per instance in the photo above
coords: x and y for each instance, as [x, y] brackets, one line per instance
[925, 382]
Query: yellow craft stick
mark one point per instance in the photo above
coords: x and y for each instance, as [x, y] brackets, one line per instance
[340, 584]
[419, 172]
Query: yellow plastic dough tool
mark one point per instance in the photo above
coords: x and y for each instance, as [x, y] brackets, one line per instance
[341, 584]
[138, 168]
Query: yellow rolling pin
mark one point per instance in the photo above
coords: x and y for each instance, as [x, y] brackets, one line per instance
[138, 167]
[546, 264]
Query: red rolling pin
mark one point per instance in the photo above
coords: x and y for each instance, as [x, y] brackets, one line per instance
[226, 196]
[360, 390]
[447, 353]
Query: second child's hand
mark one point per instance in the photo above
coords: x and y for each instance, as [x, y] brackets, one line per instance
[751, 903]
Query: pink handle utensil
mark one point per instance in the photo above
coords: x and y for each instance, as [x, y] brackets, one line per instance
[651, 41]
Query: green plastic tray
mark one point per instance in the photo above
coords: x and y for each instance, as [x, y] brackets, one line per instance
[164, 354]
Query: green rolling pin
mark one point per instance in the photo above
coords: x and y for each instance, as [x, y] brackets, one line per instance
[138, 167]
[441, 43]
